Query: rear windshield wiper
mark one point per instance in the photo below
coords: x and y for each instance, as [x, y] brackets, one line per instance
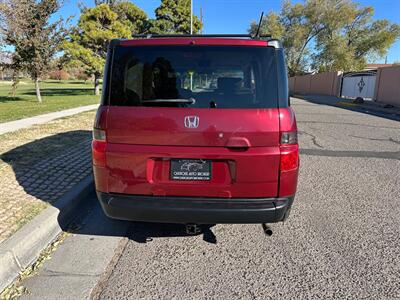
[189, 101]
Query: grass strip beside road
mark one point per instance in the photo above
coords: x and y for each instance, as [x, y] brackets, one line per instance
[57, 95]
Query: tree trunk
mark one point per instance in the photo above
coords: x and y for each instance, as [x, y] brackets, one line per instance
[37, 88]
[14, 87]
[97, 84]
[15, 80]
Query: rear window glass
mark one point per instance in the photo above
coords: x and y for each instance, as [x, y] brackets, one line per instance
[194, 76]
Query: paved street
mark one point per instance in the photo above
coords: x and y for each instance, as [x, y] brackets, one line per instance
[341, 241]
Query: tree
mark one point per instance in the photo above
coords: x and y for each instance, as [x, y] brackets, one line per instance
[26, 26]
[173, 16]
[334, 34]
[132, 15]
[88, 41]
[108, 2]
[348, 47]
[14, 64]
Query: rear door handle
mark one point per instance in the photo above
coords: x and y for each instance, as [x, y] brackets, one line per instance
[238, 142]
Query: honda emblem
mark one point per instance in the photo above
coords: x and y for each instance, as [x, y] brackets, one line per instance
[191, 121]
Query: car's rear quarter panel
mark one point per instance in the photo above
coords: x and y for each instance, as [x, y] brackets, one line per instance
[288, 180]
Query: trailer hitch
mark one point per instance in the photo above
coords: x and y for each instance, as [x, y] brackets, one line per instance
[193, 229]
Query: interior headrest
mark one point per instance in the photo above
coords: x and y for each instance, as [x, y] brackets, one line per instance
[230, 83]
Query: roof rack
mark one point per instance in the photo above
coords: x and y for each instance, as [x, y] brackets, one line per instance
[249, 36]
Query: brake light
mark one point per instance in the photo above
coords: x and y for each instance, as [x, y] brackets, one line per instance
[99, 143]
[289, 158]
[289, 151]
[99, 153]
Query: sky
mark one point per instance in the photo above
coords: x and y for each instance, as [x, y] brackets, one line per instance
[234, 16]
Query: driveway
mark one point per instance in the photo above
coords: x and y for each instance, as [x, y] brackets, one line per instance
[342, 239]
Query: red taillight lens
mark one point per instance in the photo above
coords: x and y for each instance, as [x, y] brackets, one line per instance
[99, 153]
[289, 151]
[289, 158]
[99, 145]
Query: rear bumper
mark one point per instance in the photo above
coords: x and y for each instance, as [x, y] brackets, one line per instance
[194, 210]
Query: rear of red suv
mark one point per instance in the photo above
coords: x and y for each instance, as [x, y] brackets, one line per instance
[196, 129]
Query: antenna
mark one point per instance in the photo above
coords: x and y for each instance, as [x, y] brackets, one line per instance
[201, 19]
[259, 25]
[191, 16]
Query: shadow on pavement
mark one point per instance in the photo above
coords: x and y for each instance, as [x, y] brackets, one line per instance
[142, 232]
[48, 168]
[368, 107]
[41, 171]
[91, 220]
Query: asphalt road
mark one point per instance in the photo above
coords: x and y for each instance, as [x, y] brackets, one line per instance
[341, 241]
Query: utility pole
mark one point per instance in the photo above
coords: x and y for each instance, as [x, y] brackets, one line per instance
[191, 16]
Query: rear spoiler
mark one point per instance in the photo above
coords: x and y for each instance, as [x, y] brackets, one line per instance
[261, 38]
[249, 36]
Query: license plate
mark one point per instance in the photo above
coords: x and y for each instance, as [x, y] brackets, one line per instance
[190, 169]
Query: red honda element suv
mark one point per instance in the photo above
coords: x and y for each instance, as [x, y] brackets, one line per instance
[196, 129]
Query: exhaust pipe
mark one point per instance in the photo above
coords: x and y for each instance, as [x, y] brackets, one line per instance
[267, 230]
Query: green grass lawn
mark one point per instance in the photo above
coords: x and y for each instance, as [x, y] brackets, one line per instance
[57, 95]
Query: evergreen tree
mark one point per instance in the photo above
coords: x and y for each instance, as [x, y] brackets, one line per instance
[173, 16]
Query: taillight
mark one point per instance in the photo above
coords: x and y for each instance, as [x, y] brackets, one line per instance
[99, 153]
[99, 135]
[289, 138]
[289, 158]
[99, 143]
[289, 151]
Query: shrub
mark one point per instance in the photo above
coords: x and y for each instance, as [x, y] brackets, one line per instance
[59, 75]
[81, 75]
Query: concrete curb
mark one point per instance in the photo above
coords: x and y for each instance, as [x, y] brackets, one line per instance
[23, 248]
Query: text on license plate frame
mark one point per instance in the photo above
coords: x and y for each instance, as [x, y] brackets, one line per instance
[190, 169]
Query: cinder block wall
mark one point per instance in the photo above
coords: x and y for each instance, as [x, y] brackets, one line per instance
[387, 86]
[327, 83]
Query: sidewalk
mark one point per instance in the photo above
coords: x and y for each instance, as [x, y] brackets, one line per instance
[369, 106]
[40, 119]
[40, 164]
